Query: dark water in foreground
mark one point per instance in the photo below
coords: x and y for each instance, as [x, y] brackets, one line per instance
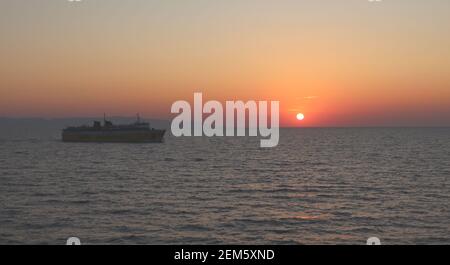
[319, 186]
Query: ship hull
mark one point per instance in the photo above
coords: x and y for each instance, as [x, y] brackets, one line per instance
[147, 136]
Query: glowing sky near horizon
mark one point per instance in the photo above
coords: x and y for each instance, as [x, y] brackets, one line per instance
[339, 62]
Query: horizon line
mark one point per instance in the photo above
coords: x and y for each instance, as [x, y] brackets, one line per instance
[281, 127]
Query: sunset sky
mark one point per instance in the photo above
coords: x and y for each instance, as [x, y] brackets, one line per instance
[339, 62]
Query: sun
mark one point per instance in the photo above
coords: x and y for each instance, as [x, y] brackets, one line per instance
[300, 116]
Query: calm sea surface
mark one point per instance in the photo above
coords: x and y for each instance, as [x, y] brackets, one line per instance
[319, 186]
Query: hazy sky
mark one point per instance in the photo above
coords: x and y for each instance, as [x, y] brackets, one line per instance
[340, 62]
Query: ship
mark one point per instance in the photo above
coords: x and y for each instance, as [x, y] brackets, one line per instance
[137, 132]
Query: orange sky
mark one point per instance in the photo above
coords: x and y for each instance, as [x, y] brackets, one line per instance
[340, 62]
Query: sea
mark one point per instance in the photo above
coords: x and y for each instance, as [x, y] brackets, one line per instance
[318, 186]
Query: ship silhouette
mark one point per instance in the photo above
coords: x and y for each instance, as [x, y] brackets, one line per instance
[137, 132]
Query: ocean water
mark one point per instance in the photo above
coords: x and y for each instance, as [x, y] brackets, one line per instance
[319, 186]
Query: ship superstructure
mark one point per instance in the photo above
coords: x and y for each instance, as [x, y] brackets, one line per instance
[138, 132]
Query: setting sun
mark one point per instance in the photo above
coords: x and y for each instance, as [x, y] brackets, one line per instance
[300, 116]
